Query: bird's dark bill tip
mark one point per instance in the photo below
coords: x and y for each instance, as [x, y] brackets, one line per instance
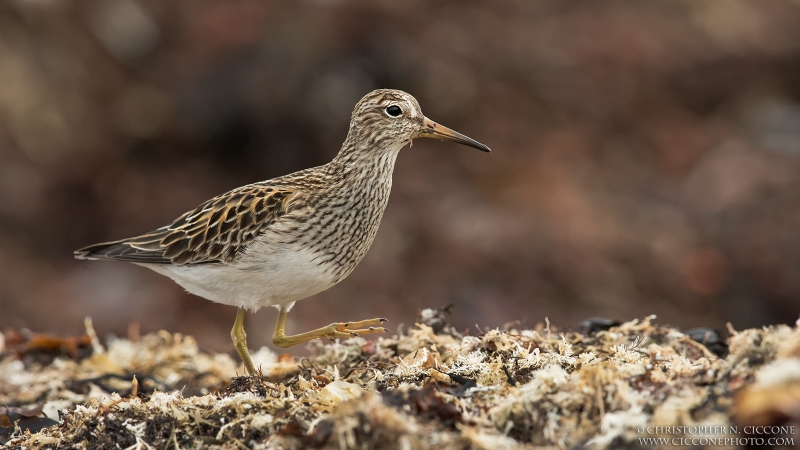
[433, 130]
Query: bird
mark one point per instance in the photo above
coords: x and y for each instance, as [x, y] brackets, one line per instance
[275, 242]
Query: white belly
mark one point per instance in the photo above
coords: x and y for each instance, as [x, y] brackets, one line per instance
[261, 277]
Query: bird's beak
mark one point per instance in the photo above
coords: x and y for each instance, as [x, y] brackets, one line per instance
[433, 130]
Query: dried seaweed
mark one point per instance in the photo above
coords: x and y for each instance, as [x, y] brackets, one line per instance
[430, 387]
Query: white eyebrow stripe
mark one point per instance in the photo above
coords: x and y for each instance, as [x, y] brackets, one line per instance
[412, 112]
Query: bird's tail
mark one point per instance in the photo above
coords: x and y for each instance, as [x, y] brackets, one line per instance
[147, 252]
[106, 250]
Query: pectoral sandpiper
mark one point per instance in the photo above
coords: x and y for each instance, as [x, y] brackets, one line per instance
[274, 242]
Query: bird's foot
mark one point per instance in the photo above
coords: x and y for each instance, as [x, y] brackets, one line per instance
[354, 329]
[342, 330]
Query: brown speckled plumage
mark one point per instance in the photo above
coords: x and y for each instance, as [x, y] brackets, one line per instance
[278, 241]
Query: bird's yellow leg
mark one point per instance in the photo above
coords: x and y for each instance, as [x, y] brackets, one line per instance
[332, 331]
[240, 342]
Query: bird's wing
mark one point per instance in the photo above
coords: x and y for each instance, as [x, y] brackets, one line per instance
[216, 231]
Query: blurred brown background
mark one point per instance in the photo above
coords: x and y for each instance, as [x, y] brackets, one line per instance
[646, 154]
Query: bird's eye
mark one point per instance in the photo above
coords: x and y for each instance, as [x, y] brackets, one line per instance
[394, 111]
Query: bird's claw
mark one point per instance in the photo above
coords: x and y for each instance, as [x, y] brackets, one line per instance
[356, 329]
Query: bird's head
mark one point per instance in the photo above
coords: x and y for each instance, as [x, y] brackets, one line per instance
[388, 118]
